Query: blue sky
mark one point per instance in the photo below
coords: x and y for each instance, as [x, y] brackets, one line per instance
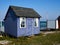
[48, 9]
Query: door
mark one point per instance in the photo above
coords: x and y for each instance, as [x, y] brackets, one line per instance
[29, 26]
[59, 23]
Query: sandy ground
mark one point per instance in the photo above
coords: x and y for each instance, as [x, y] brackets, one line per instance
[4, 42]
[49, 32]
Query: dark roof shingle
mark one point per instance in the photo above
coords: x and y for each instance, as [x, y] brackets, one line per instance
[58, 18]
[25, 12]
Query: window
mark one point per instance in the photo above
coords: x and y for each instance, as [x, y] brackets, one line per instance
[36, 22]
[22, 22]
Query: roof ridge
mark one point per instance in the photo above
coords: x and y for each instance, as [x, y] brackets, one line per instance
[20, 7]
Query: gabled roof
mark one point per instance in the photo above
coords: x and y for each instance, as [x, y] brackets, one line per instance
[24, 12]
[58, 18]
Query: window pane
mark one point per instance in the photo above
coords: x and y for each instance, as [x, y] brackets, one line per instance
[22, 22]
[36, 22]
[22, 25]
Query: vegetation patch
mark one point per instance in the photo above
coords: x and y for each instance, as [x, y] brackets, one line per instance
[49, 39]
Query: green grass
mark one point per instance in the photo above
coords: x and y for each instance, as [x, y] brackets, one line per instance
[49, 39]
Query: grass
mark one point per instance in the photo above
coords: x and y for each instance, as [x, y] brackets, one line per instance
[49, 39]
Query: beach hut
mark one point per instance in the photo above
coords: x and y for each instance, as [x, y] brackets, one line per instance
[58, 22]
[1, 27]
[51, 24]
[43, 25]
[21, 21]
[47, 25]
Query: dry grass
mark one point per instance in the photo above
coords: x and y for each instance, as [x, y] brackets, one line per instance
[49, 39]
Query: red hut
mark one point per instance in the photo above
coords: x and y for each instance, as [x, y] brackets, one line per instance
[58, 23]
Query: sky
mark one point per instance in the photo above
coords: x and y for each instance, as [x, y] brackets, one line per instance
[48, 9]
